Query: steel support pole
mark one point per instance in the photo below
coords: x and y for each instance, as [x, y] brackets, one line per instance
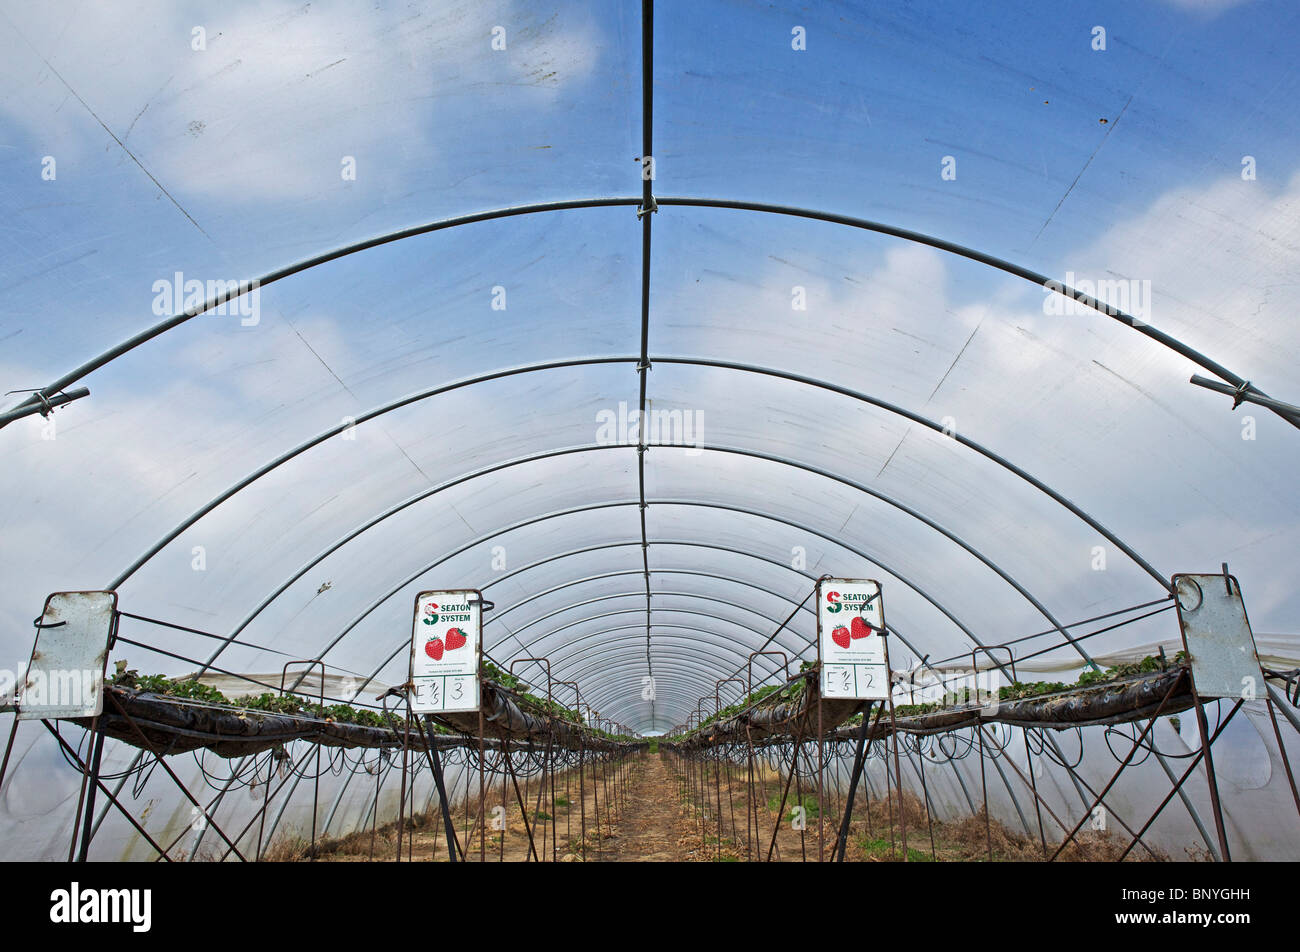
[841, 839]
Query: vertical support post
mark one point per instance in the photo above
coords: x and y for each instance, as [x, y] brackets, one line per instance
[841, 840]
[435, 764]
[88, 791]
[751, 812]
[1215, 805]
[1038, 810]
[821, 787]
[482, 792]
[1281, 749]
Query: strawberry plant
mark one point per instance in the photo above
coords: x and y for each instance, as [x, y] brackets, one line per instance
[268, 702]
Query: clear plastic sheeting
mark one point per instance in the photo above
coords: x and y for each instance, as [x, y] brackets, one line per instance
[276, 479]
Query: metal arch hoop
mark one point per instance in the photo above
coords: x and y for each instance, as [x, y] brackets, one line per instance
[404, 401]
[631, 542]
[607, 669]
[523, 523]
[903, 507]
[690, 674]
[763, 207]
[306, 264]
[659, 502]
[638, 594]
[403, 645]
[324, 435]
[689, 663]
[939, 606]
[498, 615]
[709, 682]
[952, 247]
[537, 642]
[819, 471]
[705, 670]
[755, 513]
[552, 365]
[705, 665]
[938, 428]
[712, 680]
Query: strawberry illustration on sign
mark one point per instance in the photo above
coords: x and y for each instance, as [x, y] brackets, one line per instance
[455, 639]
[840, 636]
[434, 648]
[431, 614]
[860, 627]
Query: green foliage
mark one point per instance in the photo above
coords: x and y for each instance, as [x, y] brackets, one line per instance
[1151, 663]
[913, 710]
[879, 848]
[1018, 690]
[267, 702]
[507, 681]
[522, 692]
[158, 684]
[768, 694]
[541, 705]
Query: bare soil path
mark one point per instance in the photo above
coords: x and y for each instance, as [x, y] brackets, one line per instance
[652, 828]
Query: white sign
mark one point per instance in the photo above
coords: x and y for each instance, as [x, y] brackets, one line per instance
[1218, 638]
[66, 674]
[850, 627]
[445, 651]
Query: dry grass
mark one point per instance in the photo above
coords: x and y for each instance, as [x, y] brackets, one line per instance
[969, 839]
[876, 834]
[353, 846]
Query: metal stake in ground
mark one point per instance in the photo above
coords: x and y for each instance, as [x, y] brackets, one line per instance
[842, 839]
[435, 764]
[893, 730]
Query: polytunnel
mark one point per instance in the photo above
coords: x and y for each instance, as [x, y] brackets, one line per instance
[632, 340]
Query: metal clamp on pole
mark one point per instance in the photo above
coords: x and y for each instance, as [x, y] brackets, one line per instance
[1245, 394]
[38, 402]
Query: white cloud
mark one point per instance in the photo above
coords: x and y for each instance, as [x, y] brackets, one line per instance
[276, 100]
